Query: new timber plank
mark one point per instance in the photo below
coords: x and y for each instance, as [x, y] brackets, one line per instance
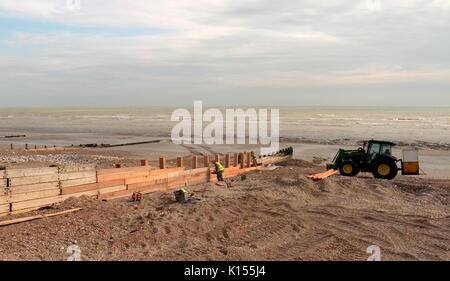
[111, 189]
[4, 199]
[31, 172]
[115, 195]
[19, 220]
[4, 209]
[110, 177]
[157, 184]
[91, 186]
[33, 179]
[66, 183]
[34, 195]
[36, 203]
[76, 168]
[89, 193]
[33, 187]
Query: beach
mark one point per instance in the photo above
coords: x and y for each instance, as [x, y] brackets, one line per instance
[272, 214]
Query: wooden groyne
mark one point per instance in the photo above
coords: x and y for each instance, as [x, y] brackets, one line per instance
[23, 190]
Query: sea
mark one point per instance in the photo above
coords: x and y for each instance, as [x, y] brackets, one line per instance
[418, 126]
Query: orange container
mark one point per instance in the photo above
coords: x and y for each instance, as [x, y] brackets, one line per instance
[410, 162]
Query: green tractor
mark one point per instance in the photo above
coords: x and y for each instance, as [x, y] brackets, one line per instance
[377, 159]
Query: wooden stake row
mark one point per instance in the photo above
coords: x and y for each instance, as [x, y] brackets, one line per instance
[242, 159]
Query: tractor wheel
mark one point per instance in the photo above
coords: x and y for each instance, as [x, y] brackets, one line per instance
[384, 169]
[348, 168]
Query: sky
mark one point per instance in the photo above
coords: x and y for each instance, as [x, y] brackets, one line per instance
[251, 52]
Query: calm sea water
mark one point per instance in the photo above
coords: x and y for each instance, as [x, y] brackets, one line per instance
[410, 125]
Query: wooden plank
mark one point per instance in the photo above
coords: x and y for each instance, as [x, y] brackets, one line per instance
[123, 170]
[36, 203]
[19, 220]
[31, 172]
[89, 193]
[77, 175]
[2, 174]
[4, 209]
[138, 180]
[75, 182]
[165, 171]
[4, 191]
[179, 181]
[76, 168]
[110, 177]
[5, 199]
[129, 175]
[154, 184]
[115, 195]
[33, 187]
[34, 195]
[91, 186]
[33, 180]
[112, 189]
[3, 183]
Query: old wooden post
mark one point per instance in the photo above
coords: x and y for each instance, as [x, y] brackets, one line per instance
[12, 146]
[242, 159]
[236, 159]
[194, 162]
[249, 161]
[144, 162]
[26, 146]
[227, 160]
[162, 162]
[180, 161]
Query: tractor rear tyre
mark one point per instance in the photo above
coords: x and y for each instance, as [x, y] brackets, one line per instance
[384, 169]
[348, 168]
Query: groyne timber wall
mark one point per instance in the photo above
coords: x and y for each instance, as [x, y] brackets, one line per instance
[23, 190]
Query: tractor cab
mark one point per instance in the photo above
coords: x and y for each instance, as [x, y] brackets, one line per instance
[376, 148]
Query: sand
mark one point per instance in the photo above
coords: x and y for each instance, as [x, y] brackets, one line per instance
[272, 215]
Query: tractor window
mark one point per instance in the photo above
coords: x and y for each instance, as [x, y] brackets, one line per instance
[374, 149]
[386, 149]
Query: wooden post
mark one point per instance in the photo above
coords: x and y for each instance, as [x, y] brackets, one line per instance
[227, 160]
[206, 160]
[217, 158]
[26, 146]
[180, 161]
[249, 162]
[242, 160]
[236, 159]
[162, 162]
[194, 162]
[12, 146]
[144, 162]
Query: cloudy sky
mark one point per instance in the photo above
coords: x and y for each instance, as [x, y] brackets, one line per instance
[248, 52]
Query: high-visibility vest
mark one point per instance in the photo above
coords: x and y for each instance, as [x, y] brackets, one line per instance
[219, 167]
[185, 191]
